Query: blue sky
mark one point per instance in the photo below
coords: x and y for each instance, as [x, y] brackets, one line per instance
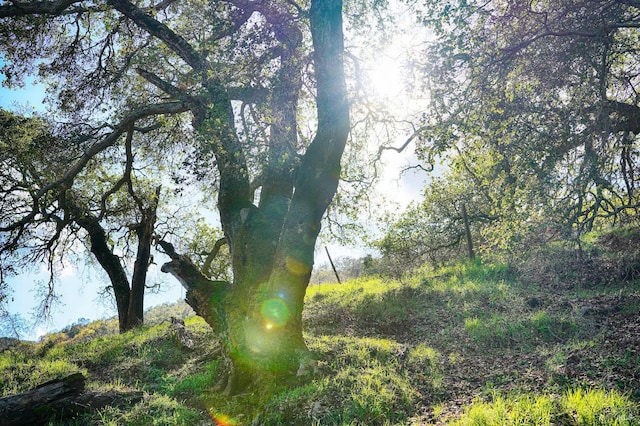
[30, 96]
[78, 287]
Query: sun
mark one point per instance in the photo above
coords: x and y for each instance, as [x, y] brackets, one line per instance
[392, 54]
[388, 65]
[385, 73]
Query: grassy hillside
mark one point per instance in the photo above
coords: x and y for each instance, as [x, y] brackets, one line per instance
[468, 344]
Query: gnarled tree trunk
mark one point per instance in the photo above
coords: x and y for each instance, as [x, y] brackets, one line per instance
[129, 296]
[259, 316]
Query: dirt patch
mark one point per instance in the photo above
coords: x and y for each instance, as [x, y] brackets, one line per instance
[614, 362]
[610, 359]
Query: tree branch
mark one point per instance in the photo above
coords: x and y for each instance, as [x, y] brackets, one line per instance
[212, 255]
[627, 116]
[67, 179]
[246, 10]
[17, 9]
[321, 162]
[126, 176]
[203, 295]
[162, 32]
[125, 123]
[401, 148]
[252, 95]
[163, 4]
[632, 3]
[168, 88]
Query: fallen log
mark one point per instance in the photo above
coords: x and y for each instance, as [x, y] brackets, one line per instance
[39, 405]
[60, 399]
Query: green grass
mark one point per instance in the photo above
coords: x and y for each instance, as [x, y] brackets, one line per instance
[528, 330]
[592, 407]
[18, 375]
[365, 382]
[155, 409]
[513, 410]
[389, 353]
[197, 383]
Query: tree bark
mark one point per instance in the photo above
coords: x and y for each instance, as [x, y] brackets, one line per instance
[129, 296]
[205, 296]
[105, 257]
[37, 406]
[467, 232]
[266, 332]
[144, 231]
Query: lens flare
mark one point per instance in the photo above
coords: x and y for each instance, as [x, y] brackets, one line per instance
[257, 340]
[282, 294]
[275, 313]
[222, 419]
[296, 266]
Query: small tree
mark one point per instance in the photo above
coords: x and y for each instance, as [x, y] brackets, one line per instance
[452, 219]
[98, 200]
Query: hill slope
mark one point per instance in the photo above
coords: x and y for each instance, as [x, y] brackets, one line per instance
[468, 344]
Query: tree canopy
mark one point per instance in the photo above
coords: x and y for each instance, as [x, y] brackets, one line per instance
[530, 132]
[535, 106]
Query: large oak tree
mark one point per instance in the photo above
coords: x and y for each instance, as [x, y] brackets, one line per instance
[226, 81]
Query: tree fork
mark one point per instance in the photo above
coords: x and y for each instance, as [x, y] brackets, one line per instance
[205, 296]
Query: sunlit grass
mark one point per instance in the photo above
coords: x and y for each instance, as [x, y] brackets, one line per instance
[426, 365]
[19, 374]
[154, 409]
[594, 407]
[519, 410]
[528, 329]
[363, 382]
[352, 288]
[197, 383]
[576, 407]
